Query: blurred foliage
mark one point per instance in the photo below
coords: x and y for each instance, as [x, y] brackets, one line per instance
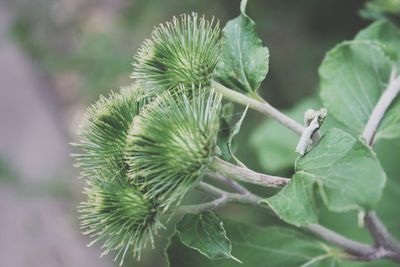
[94, 41]
[6, 173]
[381, 9]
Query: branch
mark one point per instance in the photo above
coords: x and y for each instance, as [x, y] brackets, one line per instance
[223, 198]
[260, 106]
[197, 208]
[341, 241]
[387, 97]
[248, 198]
[377, 229]
[210, 189]
[246, 175]
[359, 251]
[380, 234]
[228, 182]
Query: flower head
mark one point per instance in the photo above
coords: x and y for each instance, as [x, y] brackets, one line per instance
[118, 215]
[104, 130]
[182, 52]
[172, 142]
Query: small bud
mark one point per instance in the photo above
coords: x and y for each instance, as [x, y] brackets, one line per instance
[104, 129]
[118, 215]
[182, 52]
[172, 142]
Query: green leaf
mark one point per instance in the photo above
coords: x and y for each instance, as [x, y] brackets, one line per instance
[264, 247]
[234, 132]
[347, 176]
[227, 113]
[227, 132]
[295, 202]
[378, 9]
[389, 35]
[205, 233]
[385, 32]
[243, 64]
[353, 77]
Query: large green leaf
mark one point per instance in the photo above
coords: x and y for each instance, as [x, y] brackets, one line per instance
[353, 77]
[205, 233]
[243, 63]
[385, 32]
[389, 35]
[295, 203]
[264, 247]
[346, 173]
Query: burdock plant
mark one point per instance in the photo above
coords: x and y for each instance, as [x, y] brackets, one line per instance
[104, 129]
[144, 148]
[173, 141]
[184, 51]
[118, 215]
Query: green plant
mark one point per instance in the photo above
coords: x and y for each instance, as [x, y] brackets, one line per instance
[147, 146]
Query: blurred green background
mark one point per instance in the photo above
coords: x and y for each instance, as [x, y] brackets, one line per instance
[57, 56]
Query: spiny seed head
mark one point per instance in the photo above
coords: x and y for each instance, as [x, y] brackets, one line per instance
[182, 52]
[104, 129]
[172, 142]
[117, 215]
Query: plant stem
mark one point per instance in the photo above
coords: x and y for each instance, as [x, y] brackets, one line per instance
[380, 234]
[377, 229]
[263, 107]
[246, 175]
[248, 198]
[228, 182]
[387, 97]
[197, 208]
[359, 251]
[341, 241]
[212, 190]
[223, 198]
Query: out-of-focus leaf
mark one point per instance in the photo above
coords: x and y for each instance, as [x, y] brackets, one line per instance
[378, 9]
[274, 144]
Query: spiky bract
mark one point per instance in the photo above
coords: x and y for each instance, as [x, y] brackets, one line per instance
[182, 52]
[172, 142]
[104, 129]
[118, 215]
